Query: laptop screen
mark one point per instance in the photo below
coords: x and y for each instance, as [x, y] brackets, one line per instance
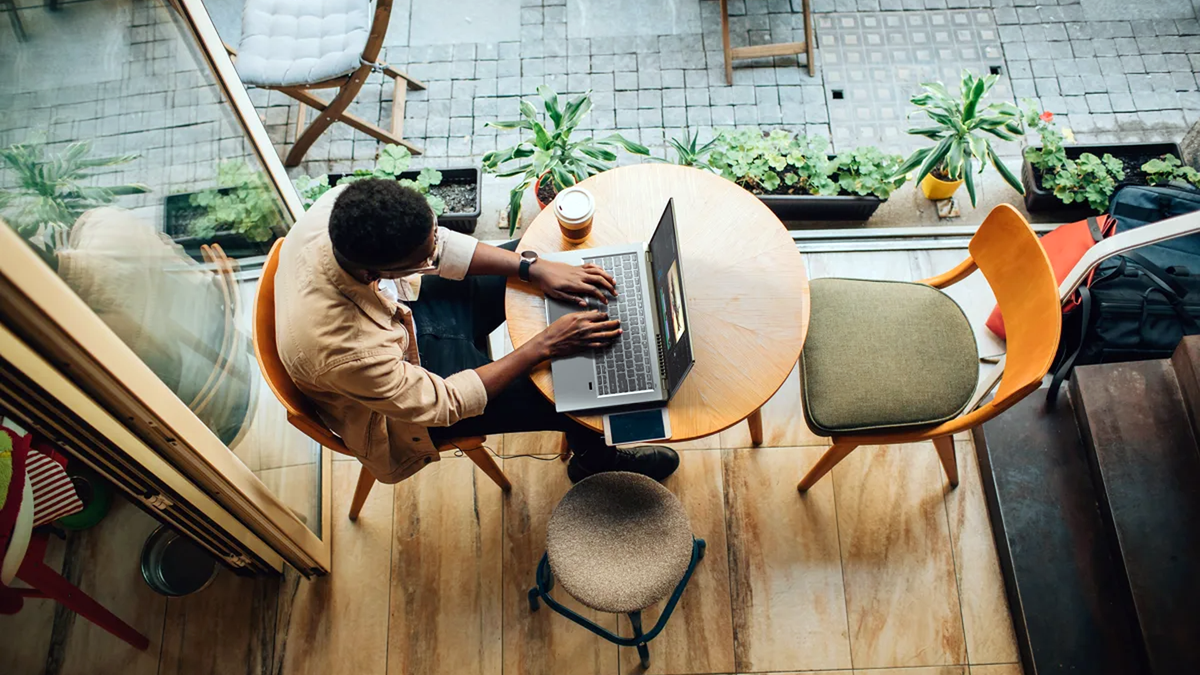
[667, 269]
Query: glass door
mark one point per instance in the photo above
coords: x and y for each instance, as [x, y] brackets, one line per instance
[138, 195]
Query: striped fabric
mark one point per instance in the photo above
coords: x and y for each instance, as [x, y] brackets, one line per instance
[53, 494]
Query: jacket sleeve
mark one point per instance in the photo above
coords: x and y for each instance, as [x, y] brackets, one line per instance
[389, 385]
[457, 250]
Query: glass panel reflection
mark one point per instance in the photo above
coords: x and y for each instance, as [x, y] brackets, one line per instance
[124, 169]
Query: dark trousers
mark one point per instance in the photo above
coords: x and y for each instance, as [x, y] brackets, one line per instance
[453, 320]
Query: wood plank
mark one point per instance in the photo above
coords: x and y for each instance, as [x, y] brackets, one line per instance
[339, 622]
[987, 624]
[764, 51]
[227, 627]
[445, 572]
[789, 607]
[1063, 586]
[783, 421]
[997, 669]
[698, 638]
[901, 592]
[1147, 472]
[1186, 362]
[542, 642]
[104, 563]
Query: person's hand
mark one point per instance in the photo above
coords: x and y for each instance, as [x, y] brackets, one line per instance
[573, 284]
[577, 332]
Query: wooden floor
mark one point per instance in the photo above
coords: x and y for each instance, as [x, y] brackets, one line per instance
[881, 568]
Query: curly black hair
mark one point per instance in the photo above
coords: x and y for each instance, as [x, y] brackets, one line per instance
[376, 223]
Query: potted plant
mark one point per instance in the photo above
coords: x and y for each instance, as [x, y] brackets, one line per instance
[961, 128]
[453, 194]
[797, 178]
[1077, 180]
[549, 158]
[50, 193]
[689, 152]
[1168, 169]
[241, 214]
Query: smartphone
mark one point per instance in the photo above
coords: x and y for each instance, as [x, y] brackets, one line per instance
[638, 426]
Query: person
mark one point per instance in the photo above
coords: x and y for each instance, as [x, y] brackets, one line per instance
[382, 319]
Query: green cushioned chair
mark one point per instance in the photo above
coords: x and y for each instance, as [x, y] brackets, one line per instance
[888, 362]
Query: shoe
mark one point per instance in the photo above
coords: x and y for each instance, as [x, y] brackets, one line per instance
[654, 461]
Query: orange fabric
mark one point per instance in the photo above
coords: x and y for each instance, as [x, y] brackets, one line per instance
[1065, 246]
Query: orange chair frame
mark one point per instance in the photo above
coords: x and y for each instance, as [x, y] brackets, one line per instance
[1012, 260]
[300, 410]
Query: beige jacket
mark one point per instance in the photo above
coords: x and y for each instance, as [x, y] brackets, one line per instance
[354, 351]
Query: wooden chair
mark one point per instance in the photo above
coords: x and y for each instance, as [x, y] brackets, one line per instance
[300, 411]
[1012, 260]
[765, 51]
[295, 64]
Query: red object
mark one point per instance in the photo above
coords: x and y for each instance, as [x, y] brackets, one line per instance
[1046, 116]
[45, 582]
[1065, 246]
[537, 192]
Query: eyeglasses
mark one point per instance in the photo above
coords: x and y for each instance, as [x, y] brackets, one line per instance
[430, 264]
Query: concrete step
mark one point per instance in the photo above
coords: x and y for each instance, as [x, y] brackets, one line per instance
[1066, 588]
[1145, 468]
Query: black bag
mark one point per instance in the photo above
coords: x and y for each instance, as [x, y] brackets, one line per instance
[1138, 305]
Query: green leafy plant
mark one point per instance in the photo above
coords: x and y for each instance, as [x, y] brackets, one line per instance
[867, 170]
[243, 203]
[780, 163]
[774, 163]
[960, 127]
[689, 152]
[1088, 179]
[51, 191]
[393, 160]
[549, 149]
[1168, 168]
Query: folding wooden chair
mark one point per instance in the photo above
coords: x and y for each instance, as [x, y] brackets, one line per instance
[287, 48]
[764, 51]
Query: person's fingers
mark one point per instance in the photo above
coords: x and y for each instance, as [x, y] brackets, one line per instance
[599, 345]
[594, 315]
[606, 335]
[603, 282]
[567, 297]
[601, 271]
[584, 288]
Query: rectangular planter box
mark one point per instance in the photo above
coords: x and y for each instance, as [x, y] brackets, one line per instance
[465, 221]
[178, 214]
[816, 207]
[1038, 200]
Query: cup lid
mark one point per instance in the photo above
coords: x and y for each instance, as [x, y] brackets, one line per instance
[574, 203]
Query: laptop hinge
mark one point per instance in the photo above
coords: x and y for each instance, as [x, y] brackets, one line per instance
[662, 359]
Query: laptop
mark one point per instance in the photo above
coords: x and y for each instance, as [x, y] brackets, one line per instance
[648, 362]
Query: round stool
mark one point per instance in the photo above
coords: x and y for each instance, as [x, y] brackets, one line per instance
[618, 542]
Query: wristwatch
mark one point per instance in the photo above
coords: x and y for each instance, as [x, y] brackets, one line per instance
[527, 260]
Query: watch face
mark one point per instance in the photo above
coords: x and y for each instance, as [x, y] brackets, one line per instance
[529, 255]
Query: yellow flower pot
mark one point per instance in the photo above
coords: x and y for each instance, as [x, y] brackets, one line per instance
[939, 189]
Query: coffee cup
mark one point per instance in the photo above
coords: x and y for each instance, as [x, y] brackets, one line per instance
[574, 208]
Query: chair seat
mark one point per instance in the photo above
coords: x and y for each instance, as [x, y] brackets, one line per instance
[883, 355]
[619, 542]
[297, 42]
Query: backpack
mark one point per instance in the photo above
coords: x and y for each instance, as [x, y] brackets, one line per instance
[1137, 305]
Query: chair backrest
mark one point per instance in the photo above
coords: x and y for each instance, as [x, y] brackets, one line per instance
[1008, 253]
[300, 411]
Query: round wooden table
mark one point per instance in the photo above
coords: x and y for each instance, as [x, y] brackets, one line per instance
[745, 284]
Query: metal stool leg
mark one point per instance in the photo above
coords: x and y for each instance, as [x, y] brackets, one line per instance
[635, 620]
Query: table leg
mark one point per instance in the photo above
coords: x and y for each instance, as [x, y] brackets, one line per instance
[725, 42]
[755, 422]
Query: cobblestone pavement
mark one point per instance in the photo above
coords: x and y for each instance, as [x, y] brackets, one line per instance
[1110, 75]
[1113, 70]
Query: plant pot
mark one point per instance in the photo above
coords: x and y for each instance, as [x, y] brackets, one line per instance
[936, 188]
[1132, 155]
[818, 207]
[537, 191]
[459, 221]
[178, 215]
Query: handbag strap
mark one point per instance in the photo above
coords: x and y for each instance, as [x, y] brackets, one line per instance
[1094, 227]
[1085, 309]
[1157, 274]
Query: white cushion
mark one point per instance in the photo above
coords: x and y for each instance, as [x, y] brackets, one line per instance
[295, 42]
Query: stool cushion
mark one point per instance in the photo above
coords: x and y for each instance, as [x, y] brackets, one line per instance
[295, 42]
[619, 542]
[884, 354]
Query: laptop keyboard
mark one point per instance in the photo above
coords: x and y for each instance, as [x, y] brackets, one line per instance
[625, 367]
